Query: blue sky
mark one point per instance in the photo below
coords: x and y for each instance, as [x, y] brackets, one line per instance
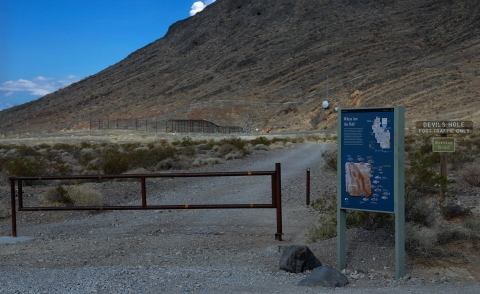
[47, 45]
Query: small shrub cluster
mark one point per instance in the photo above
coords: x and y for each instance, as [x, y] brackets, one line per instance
[25, 166]
[84, 196]
[330, 157]
[57, 195]
[471, 175]
[326, 226]
[453, 210]
[86, 158]
[77, 195]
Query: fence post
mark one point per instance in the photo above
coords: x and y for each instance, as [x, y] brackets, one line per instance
[278, 201]
[308, 186]
[14, 208]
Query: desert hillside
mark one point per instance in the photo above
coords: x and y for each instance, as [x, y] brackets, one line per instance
[266, 63]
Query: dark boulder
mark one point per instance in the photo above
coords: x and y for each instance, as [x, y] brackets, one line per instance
[298, 258]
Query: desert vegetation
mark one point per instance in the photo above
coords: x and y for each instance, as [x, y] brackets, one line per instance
[433, 229]
[108, 158]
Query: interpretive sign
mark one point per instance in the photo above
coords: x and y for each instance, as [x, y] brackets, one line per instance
[443, 144]
[444, 127]
[367, 159]
[370, 171]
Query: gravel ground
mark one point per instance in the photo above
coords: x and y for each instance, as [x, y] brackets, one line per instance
[201, 251]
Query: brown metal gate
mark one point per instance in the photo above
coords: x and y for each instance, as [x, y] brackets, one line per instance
[275, 187]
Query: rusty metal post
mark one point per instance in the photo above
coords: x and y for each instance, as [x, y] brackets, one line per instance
[308, 187]
[278, 194]
[20, 194]
[14, 209]
[144, 193]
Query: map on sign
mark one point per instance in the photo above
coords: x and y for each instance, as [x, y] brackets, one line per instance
[382, 134]
[367, 159]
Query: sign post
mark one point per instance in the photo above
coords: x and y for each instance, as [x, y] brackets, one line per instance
[370, 171]
[444, 143]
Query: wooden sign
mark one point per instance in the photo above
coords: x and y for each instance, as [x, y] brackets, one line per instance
[443, 144]
[444, 127]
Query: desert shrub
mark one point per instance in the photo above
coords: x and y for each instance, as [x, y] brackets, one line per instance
[187, 141]
[298, 140]
[420, 241]
[321, 231]
[330, 157]
[326, 225]
[471, 175]
[262, 140]
[453, 210]
[150, 158]
[86, 155]
[84, 145]
[235, 141]
[25, 166]
[313, 138]
[114, 162]
[57, 195]
[206, 161]
[66, 147]
[421, 180]
[204, 147]
[130, 146]
[181, 162]
[459, 159]
[84, 196]
[261, 147]
[225, 149]
[277, 145]
[165, 164]
[27, 151]
[472, 224]
[189, 151]
[60, 168]
[5, 146]
[447, 235]
[371, 220]
[422, 214]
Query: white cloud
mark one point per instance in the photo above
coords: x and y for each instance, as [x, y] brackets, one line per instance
[199, 6]
[39, 86]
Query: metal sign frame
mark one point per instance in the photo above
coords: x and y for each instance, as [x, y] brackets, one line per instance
[396, 129]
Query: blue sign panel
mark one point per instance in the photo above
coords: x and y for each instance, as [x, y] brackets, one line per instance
[367, 159]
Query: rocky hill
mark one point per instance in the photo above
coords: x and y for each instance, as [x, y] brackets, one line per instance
[422, 54]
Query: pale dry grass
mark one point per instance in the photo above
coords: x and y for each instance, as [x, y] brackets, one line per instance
[84, 196]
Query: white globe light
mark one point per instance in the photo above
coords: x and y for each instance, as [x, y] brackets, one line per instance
[325, 104]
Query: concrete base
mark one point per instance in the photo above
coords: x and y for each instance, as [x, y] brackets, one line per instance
[11, 240]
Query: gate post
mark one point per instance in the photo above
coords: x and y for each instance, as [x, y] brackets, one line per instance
[278, 201]
[14, 208]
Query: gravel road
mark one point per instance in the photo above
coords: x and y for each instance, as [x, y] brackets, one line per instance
[191, 251]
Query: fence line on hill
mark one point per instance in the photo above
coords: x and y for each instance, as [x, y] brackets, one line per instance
[156, 122]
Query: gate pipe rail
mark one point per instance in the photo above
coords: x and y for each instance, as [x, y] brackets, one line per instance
[275, 181]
